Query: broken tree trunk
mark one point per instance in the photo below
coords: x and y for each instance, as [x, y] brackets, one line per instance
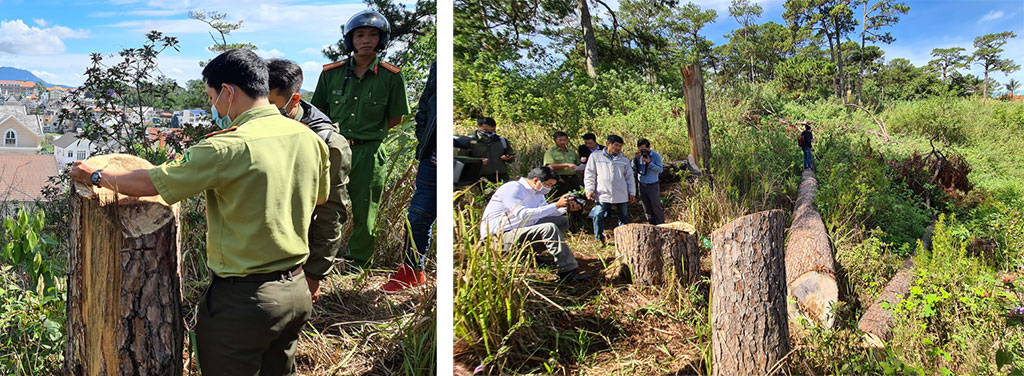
[749, 330]
[124, 282]
[651, 254]
[697, 115]
[877, 320]
[810, 265]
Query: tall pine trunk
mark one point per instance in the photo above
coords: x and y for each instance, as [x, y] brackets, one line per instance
[589, 41]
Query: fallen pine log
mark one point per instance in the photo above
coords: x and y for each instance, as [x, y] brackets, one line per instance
[810, 265]
[749, 329]
[876, 323]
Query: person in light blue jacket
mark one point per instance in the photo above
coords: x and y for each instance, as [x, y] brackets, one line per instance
[608, 179]
[647, 165]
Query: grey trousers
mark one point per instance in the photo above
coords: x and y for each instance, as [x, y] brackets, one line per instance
[650, 197]
[546, 233]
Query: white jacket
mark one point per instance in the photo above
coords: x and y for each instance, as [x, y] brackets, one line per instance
[611, 178]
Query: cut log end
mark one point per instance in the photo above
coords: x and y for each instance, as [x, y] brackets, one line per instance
[655, 255]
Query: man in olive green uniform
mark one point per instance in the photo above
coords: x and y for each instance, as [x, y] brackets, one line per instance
[366, 97]
[492, 150]
[563, 160]
[325, 232]
[262, 175]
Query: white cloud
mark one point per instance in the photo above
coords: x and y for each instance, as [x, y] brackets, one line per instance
[272, 54]
[144, 13]
[312, 51]
[992, 15]
[39, 21]
[17, 38]
[310, 74]
[46, 76]
[180, 26]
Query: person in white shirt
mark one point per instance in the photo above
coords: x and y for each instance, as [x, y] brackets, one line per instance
[520, 214]
[609, 180]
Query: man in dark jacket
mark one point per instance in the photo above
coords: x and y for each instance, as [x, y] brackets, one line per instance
[805, 143]
[423, 205]
[325, 232]
[590, 145]
[493, 151]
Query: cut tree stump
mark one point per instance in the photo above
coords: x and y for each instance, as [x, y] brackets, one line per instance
[651, 254]
[876, 323]
[124, 281]
[749, 329]
[810, 265]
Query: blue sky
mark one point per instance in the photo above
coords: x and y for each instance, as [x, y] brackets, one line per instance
[54, 38]
[929, 24]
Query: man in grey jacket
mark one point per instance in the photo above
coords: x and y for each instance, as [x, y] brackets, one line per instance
[608, 179]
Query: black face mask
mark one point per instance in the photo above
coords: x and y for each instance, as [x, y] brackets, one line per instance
[283, 112]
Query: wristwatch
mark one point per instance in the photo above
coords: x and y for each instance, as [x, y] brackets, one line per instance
[96, 176]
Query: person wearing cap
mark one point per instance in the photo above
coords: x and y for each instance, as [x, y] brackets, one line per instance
[589, 146]
[493, 151]
[262, 175]
[608, 179]
[563, 160]
[366, 97]
[325, 230]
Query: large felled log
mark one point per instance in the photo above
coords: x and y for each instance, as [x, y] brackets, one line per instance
[877, 321]
[651, 254]
[810, 265]
[749, 329]
[124, 283]
[697, 116]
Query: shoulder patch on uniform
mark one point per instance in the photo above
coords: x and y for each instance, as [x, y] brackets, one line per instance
[390, 67]
[221, 131]
[330, 66]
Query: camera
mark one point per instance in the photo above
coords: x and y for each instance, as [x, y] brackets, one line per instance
[646, 153]
[578, 199]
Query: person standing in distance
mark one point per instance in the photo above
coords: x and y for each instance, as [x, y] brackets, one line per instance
[366, 97]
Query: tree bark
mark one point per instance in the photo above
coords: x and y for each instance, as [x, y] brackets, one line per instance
[697, 115]
[124, 282]
[589, 41]
[749, 330]
[655, 255]
[877, 321]
[810, 265]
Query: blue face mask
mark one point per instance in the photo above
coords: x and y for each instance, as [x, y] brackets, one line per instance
[488, 134]
[222, 122]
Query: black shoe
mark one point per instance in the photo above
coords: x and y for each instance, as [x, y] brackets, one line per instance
[573, 276]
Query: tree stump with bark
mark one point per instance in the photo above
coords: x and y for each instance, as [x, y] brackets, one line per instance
[697, 115]
[749, 329]
[124, 281]
[654, 255]
[810, 265]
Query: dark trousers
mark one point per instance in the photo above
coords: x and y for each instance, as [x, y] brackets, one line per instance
[251, 328]
[601, 211]
[808, 159]
[650, 197]
[422, 212]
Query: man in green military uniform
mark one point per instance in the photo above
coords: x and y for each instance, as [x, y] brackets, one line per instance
[563, 160]
[262, 175]
[366, 97]
[325, 232]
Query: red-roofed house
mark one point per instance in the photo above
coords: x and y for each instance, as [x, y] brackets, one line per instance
[22, 177]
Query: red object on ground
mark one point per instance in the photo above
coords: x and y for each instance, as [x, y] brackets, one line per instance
[405, 278]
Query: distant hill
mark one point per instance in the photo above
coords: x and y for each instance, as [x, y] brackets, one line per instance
[15, 74]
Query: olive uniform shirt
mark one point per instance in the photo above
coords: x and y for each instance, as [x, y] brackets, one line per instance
[557, 156]
[361, 106]
[262, 177]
